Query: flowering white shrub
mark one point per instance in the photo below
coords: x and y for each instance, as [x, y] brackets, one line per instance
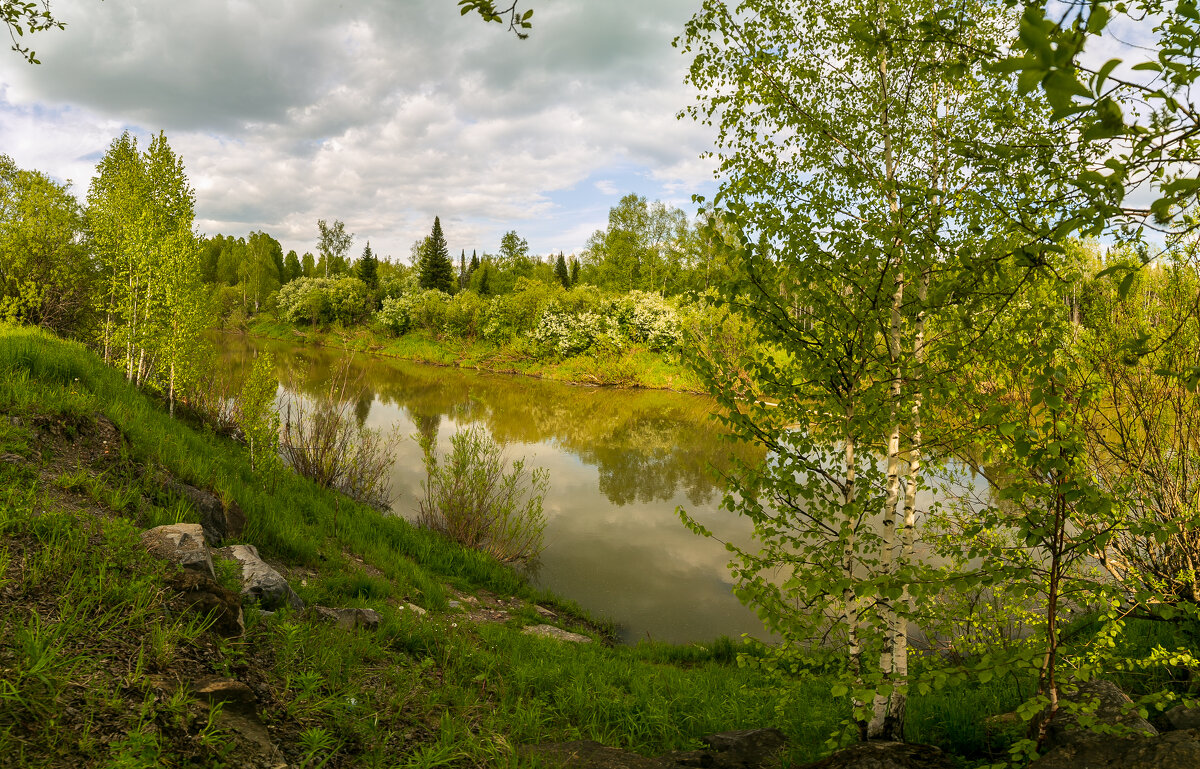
[393, 314]
[323, 300]
[646, 317]
[426, 309]
[568, 334]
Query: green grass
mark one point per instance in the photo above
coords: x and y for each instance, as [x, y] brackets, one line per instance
[88, 633]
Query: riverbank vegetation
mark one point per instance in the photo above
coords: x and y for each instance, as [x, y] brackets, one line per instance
[899, 270]
[85, 458]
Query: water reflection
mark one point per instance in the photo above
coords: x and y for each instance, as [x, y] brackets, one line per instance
[619, 460]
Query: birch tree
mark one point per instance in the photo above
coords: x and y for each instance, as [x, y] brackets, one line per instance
[844, 136]
[139, 216]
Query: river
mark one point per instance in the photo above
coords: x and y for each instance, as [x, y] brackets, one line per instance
[620, 461]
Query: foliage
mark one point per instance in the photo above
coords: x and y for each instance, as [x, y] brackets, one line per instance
[852, 218]
[323, 300]
[32, 16]
[644, 247]
[488, 11]
[575, 333]
[139, 215]
[465, 314]
[258, 416]
[471, 497]
[323, 441]
[333, 246]
[45, 277]
[435, 269]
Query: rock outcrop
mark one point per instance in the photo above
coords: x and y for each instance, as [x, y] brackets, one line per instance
[260, 583]
[182, 544]
[219, 520]
[1105, 702]
[549, 631]
[347, 619]
[201, 593]
[886, 755]
[1173, 750]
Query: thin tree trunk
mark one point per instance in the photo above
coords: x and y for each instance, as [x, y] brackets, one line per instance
[850, 600]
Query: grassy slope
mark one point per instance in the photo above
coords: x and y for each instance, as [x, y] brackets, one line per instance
[87, 635]
[634, 367]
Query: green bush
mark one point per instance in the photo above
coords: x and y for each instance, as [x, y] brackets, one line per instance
[323, 300]
[470, 497]
[465, 314]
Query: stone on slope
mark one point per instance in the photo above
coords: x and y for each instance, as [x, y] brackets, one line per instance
[218, 519]
[1180, 717]
[261, 583]
[347, 618]
[745, 748]
[204, 595]
[1173, 750]
[182, 544]
[1112, 707]
[549, 631]
[885, 755]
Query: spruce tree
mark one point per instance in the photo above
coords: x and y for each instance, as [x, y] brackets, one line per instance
[368, 268]
[436, 269]
[462, 269]
[560, 271]
[574, 271]
[474, 262]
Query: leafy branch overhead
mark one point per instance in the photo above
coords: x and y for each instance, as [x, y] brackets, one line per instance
[517, 21]
[22, 17]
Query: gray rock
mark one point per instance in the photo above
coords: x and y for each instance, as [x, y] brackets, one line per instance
[886, 755]
[1181, 717]
[347, 618]
[1112, 708]
[220, 521]
[414, 609]
[1173, 750]
[261, 583]
[549, 631]
[182, 544]
[746, 748]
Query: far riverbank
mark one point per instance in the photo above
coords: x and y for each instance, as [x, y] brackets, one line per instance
[635, 366]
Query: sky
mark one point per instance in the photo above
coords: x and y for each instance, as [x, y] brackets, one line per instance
[380, 113]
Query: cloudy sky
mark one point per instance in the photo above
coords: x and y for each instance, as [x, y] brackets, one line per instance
[381, 113]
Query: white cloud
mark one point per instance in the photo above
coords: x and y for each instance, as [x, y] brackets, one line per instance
[378, 113]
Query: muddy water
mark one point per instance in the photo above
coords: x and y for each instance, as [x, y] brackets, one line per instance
[620, 462]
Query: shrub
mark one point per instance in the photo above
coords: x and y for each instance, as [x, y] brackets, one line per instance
[322, 440]
[393, 314]
[428, 309]
[471, 499]
[568, 334]
[520, 311]
[465, 314]
[323, 300]
[646, 317]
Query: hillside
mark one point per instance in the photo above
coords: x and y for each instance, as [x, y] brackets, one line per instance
[106, 660]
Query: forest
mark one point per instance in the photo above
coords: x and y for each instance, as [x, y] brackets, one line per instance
[926, 291]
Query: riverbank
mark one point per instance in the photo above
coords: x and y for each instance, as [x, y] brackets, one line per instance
[635, 366]
[108, 666]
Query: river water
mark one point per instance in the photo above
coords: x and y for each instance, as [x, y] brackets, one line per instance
[620, 461]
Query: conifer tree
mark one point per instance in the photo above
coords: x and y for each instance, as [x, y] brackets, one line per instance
[368, 268]
[435, 269]
[462, 269]
[474, 265]
[560, 271]
[574, 271]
